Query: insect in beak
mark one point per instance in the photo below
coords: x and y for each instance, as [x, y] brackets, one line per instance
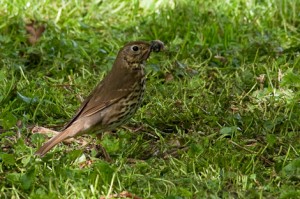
[157, 45]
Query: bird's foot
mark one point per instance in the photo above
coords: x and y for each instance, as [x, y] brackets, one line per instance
[103, 152]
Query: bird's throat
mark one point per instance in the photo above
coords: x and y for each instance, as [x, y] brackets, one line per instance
[137, 66]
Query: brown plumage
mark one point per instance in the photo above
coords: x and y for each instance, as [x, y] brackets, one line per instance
[115, 99]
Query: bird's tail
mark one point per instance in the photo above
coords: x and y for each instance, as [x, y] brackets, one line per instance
[53, 142]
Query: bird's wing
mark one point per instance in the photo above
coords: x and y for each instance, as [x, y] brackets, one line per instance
[102, 97]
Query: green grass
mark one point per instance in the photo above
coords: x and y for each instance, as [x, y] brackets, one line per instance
[221, 115]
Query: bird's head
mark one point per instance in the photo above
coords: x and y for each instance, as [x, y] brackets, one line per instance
[139, 51]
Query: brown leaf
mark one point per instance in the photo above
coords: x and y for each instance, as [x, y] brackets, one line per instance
[85, 164]
[34, 32]
[168, 77]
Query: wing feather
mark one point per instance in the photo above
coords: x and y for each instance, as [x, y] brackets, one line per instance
[105, 95]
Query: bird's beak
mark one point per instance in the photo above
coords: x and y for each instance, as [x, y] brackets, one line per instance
[155, 46]
[147, 54]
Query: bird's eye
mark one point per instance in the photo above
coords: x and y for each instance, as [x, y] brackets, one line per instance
[135, 48]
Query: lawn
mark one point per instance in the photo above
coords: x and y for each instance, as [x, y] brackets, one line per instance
[220, 117]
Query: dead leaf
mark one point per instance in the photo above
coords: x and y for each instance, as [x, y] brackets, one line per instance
[261, 79]
[221, 58]
[34, 31]
[168, 77]
[85, 164]
[124, 194]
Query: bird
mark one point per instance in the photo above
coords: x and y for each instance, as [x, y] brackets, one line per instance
[115, 99]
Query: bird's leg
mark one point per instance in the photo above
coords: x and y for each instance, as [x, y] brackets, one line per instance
[103, 150]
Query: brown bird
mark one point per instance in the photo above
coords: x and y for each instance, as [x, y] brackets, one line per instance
[116, 98]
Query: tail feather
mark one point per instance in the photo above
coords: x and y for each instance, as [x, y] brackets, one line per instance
[53, 142]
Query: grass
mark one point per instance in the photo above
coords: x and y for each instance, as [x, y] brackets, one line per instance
[221, 114]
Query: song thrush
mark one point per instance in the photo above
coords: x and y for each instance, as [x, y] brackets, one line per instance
[116, 98]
